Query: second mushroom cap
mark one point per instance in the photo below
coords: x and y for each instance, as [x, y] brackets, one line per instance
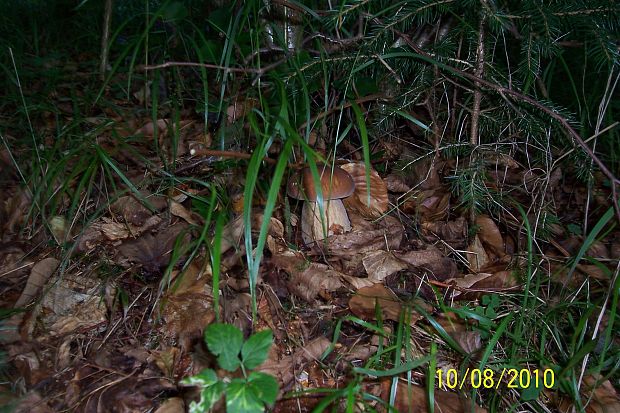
[333, 186]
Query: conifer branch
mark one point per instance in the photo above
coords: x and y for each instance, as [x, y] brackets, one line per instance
[504, 91]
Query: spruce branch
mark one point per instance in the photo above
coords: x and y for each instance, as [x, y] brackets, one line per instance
[503, 91]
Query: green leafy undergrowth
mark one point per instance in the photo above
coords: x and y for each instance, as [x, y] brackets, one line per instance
[251, 392]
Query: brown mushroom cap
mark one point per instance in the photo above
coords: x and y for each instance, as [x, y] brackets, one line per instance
[339, 185]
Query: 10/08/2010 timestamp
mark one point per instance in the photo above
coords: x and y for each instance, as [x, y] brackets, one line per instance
[491, 379]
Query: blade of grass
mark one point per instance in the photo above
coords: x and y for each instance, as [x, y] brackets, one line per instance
[528, 279]
[361, 125]
[394, 371]
[587, 243]
[216, 255]
[430, 378]
[109, 162]
[440, 330]
[400, 337]
[272, 197]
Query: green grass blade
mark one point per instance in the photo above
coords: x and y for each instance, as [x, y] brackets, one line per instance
[109, 162]
[361, 125]
[587, 243]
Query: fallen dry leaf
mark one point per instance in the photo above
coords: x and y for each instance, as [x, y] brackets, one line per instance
[14, 264]
[188, 304]
[429, 204]
[358, 282]
[413, 399]
[238, 308]
[380, 264]
[482, 282]
[598, 250]
[469, 340]
[597, 397]
[490, 236]
[131, 394]
[360, 353]
[426, 173]
[239, 109]
[614, 250]
[359, 201]
[163, 127]
[364, 303]
[453, 233]
[153, 252]
[469, 280]
[32, 402]
[59, 228]
[31, 368]
[180, 211]
[166, 360]
[195, 279]
[387, 234]
[316, 280]
[15, 208]
[420, 258]
[39, 275]
[133, 211]
[143, 94]
[594, 271]
[90, 238]
[186, 315]
[430, 259]
[73, 302]
[172, 405]
[108, 229]
[396, 183]
[290, 261]
[113, 231]
[275, 228]
[232, 233]
[477, 255]
[283, 367]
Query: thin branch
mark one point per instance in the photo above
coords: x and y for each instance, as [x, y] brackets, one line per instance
[569, 13]
[258, 71]
[228, 154]
[475, 116]
[596, 135]
[105, 38]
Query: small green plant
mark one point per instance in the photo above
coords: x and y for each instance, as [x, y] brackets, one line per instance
[574, 229]
[485, 313]
[247, 394]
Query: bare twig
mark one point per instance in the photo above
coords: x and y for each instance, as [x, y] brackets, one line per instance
[565, 154]
[258, 71]
[105, 38]
[243, 155]
[228, 154]
[475, 115]
[469, 289]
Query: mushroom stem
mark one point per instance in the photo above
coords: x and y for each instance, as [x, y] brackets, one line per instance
[337, 220]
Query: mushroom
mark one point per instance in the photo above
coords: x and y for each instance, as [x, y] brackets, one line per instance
[334, 187]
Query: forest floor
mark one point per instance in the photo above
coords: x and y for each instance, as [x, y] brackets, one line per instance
[125, 235]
